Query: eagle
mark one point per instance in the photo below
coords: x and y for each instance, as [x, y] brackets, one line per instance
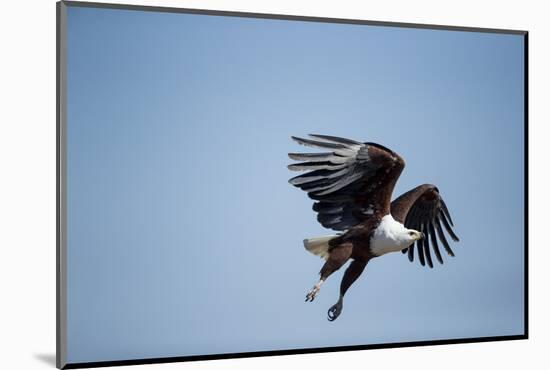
[352, 184]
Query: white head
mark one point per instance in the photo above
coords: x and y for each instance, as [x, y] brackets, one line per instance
[399, 233]
[409, 236]
[392, 236]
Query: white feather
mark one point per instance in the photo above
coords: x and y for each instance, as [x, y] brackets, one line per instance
[319, 245]
[389, 236]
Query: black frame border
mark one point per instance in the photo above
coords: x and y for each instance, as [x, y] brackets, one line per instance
[61, 335]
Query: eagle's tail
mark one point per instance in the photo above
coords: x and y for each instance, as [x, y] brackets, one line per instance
[319, 245]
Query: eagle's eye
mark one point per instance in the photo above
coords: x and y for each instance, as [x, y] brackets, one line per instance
[411, 233]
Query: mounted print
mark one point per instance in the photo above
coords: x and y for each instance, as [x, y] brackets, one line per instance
[235, 184]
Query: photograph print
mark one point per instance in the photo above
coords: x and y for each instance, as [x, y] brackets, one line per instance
[235, 185]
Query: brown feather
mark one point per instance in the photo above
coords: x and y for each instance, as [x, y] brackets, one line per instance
[351, 189]
[421, 209]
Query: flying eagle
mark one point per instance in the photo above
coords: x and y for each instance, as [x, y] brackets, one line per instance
[352, 184]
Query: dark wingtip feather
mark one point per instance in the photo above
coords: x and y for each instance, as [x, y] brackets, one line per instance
[420, 253]
[448, 227]
[310, 156]
[336, 139]
[446, 211]
[426, 245]
[317, 144]
[435, 246]
[312, 166]
[411, 253]
[442, 238]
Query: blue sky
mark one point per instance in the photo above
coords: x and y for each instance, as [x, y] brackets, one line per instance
[184, 236]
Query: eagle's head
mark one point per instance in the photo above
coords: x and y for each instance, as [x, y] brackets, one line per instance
[410, 236]
[392, 236]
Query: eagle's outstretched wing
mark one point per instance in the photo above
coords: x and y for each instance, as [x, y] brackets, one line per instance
[351, 182]
[423, 209]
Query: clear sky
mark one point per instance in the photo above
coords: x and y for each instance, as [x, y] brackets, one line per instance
[185, 238]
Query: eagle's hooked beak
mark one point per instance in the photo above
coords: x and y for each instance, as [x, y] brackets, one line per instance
[420, 235]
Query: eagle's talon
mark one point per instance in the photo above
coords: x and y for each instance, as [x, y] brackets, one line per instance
[334, 311]
[312, 293]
